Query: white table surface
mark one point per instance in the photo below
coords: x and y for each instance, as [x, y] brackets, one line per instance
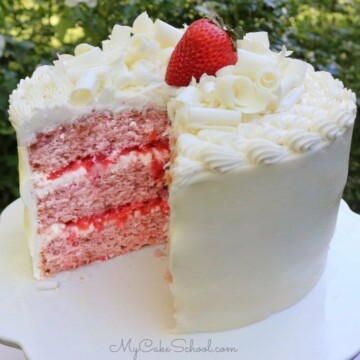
[8, 353]
[100, 304]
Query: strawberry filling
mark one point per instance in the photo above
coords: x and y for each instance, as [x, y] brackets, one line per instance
[104, 161]
[118, 215]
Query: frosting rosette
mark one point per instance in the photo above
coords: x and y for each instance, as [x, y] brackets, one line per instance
[266, 107]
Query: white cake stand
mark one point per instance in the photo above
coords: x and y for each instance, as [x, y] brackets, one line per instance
[88, 313]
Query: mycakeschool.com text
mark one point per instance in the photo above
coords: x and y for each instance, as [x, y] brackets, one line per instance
[139, 348]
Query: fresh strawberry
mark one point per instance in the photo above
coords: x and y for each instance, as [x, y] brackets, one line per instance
[206, 46]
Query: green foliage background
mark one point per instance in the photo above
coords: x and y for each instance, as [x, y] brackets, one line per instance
[325, 33]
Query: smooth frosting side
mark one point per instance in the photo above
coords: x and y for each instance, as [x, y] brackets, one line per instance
[265, 108]
[127, 72]
[254, 242]
[28, 197]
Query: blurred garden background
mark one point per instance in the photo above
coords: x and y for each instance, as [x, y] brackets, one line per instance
[325, 33]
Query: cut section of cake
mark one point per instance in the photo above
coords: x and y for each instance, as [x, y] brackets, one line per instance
[101, 193]
[93, 135]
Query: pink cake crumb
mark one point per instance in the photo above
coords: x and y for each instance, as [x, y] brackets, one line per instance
[106, 188]
[97, 133]
[161, 253]
[105, 236]
[100, 187]
[168, 277]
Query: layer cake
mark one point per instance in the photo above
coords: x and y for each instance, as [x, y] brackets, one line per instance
[242, 172]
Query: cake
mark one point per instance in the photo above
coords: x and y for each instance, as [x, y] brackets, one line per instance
[241, 171]
[92, 176]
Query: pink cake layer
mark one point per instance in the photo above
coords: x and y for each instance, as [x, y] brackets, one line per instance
[107, 185]
[106, 235]
[97, 133]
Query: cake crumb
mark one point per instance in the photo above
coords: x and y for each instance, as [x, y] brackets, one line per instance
[160, 253]
[168, 277]
[47, 285]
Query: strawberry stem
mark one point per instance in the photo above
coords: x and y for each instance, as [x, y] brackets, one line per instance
[219, 22]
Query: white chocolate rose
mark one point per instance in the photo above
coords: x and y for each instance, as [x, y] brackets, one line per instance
[268, 79]
[239, 92]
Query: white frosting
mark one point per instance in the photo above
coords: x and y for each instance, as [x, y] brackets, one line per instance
[273, 106]
[31, 219]
[128, 72]
[248, 239]
[253, 241]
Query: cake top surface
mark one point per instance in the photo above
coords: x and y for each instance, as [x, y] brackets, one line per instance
[127, 72]
[265, 108]
[259, 111]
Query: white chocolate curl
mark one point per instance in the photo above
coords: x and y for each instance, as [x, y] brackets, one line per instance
[257, 42]
[291, 98]
[85, 89]
[165, 34]
[250, 63]
[199, 118]
[189, 95]
[239, 92]
[267, 79]
[82, 48]
[143, 24]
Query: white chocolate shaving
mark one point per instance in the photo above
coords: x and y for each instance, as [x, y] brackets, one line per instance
[165, 34]
[85, 89]
[249, 63]
[198, 117]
